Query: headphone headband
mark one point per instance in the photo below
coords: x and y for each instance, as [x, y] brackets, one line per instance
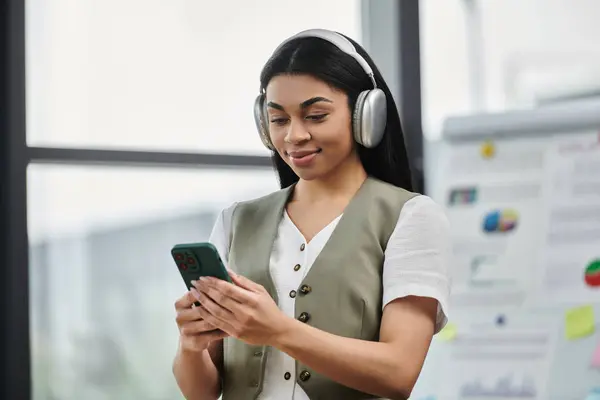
[369, 116]
[340, 42]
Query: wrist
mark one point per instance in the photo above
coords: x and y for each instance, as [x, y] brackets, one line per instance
[283, 334]
[191, 351]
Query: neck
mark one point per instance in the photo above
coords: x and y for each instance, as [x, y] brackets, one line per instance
[343, 181]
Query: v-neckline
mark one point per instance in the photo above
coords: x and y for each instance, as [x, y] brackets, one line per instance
[263, 244]
[351, 219]
[290, 192]
[289, 220]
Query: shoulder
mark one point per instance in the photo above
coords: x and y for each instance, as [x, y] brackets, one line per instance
[423, 210]
[385, 189]
[418, 255]
[386, 202]
[422, 224]
[257, 207]
[224, 217]
[221, 230]
[227, 214]
[225, 223]
[262, 199]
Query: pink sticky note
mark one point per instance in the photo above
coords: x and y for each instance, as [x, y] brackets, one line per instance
[596, 357]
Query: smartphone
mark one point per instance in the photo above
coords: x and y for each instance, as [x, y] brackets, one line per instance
[195, 260]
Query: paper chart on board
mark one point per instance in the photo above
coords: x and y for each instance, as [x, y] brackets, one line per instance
[569, 261]
[499, 364]
[493, 207]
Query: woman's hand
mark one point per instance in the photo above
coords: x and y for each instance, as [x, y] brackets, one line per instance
[195, 334]
[244, 310]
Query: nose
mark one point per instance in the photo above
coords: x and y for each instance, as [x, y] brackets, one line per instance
[296, 132]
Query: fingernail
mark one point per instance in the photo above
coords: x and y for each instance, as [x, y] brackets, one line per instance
[194, 282]
[195, 293]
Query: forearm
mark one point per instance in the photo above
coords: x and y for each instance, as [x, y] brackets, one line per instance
[367, 366]
[196, 375]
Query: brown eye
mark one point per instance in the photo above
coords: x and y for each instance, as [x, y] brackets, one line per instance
[318, 117]
[279, 121]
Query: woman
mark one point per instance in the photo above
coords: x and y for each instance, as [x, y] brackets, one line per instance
[340, 278]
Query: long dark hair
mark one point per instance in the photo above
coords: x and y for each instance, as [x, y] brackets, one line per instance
[387, 161]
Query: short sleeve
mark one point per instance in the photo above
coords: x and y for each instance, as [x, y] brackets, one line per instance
[219, 237]
[417, 256]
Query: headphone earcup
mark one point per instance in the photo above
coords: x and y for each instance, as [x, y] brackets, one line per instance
[261, 122]
[369, 117]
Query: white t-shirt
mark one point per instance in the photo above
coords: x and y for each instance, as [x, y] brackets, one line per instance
[416, 263]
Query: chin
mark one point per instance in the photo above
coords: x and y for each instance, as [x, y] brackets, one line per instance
[313, 172]
[308, 175]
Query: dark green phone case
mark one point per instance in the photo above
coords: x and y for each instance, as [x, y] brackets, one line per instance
[195, 260]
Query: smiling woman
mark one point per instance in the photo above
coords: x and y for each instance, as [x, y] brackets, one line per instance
[344, 262]
[319, 113]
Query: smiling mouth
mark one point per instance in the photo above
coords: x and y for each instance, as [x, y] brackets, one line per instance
[299, 155]
[303, 159]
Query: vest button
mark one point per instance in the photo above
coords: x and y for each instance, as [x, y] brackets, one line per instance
[287, 376]
[302, 247]
[305, 289]
[292, 294]
[304, 376]
[304, 317]
[254, 384]
[258, 353]
[297, 267]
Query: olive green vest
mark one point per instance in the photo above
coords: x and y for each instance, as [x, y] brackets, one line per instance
[341, 293]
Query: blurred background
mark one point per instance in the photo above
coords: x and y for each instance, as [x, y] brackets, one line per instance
[126, 126]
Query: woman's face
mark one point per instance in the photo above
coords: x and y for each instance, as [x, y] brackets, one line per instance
[310, 124]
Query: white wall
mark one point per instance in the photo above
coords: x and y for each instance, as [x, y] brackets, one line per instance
[530, 50]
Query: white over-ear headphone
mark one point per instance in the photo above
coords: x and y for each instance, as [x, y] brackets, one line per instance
[370, 112]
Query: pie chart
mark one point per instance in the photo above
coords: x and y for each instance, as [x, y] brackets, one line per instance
[500, 221]
[592, 274]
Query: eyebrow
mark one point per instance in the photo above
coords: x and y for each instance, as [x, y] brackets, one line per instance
[304, 104]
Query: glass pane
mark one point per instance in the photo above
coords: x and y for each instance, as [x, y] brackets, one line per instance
[495, 55]
[102, 282]
[169, 75]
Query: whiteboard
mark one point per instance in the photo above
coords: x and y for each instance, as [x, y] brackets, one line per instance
[522, 192]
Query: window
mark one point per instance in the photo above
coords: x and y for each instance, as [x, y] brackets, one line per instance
[102, 283]
[139, 89]
[496, 55]
[176, 75]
